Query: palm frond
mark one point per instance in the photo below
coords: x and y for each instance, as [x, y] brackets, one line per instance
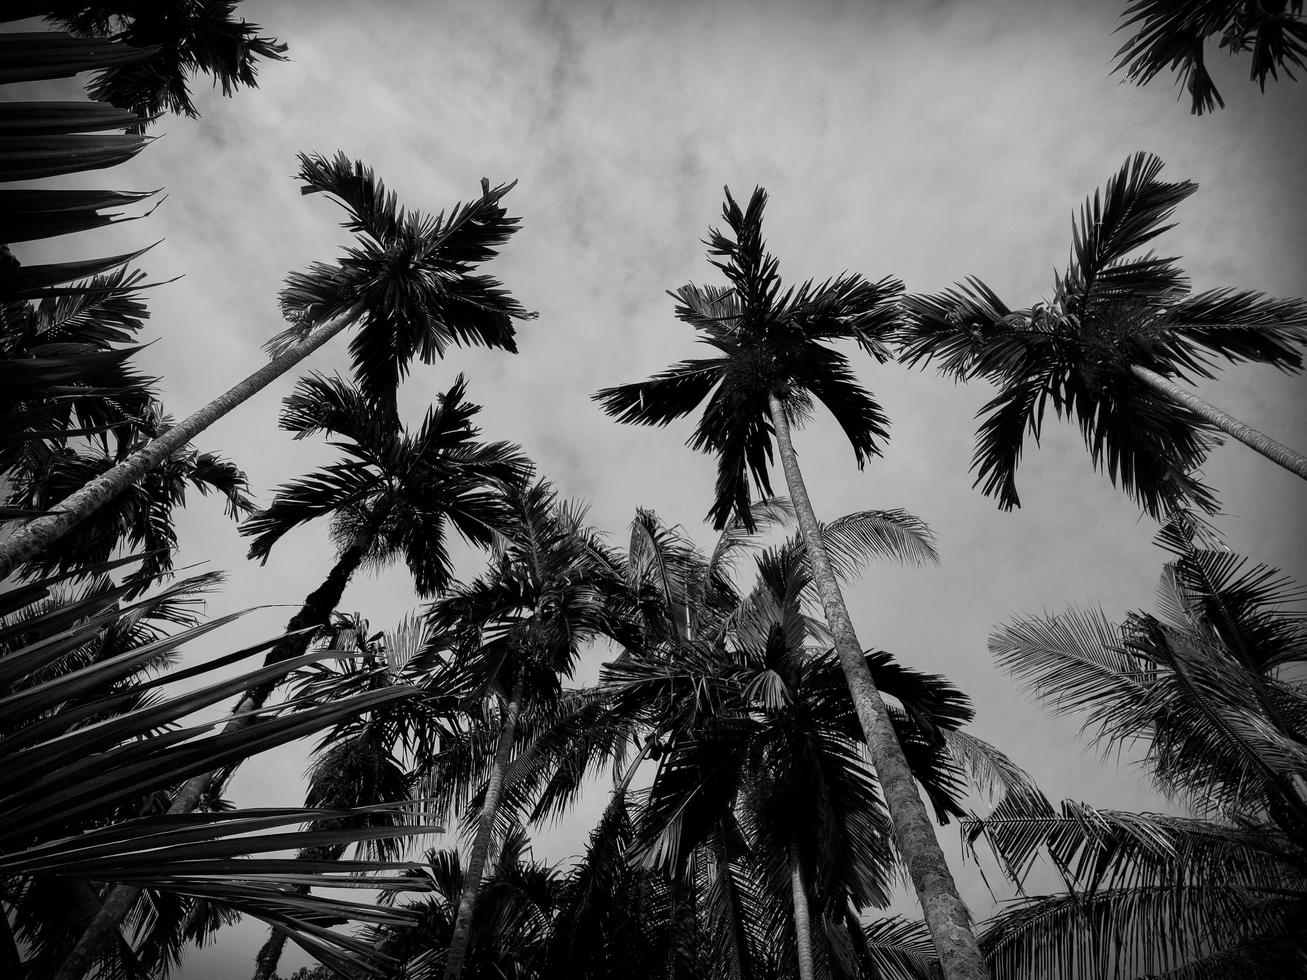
[1170, 34]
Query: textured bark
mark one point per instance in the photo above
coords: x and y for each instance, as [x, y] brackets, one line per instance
[1294, 462]
[945, 913]
[37, 535]
[316, 611]
[481, 847]
[802, 918]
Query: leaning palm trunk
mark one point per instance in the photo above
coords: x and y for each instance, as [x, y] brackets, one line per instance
[1276, 452]
[34, 537]
[481, 847]
[316, 611]
[946, 915]
[802, 917]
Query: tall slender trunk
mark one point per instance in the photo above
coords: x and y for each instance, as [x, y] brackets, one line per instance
[945, 913]
[481, 847]
[316, 611]
[802, 918]
[34, 537]
[1294, 462]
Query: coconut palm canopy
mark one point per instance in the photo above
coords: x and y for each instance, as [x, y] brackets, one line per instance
[926, 143]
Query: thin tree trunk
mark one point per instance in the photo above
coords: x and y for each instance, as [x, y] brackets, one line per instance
[34, 537]
[316, 611]
[625, 783]
[265, 963]
[802, 919]
[481, 847]
[945, 913]
[1294, 462]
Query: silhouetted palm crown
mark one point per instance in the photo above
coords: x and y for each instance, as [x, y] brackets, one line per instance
[1110, 311]
[198, 36]
[772, 714]
[408, 280]
[552, 586]
[771, 342]
[396, 489]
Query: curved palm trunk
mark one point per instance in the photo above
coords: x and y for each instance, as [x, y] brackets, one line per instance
[802, 917]
[34, 537]
[1276, 452]
[316, 611]
[945, 913]
[481, 847]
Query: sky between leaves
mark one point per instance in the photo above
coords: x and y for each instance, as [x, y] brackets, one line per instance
[927, 141]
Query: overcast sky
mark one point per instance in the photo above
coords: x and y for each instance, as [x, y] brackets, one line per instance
[929, 142]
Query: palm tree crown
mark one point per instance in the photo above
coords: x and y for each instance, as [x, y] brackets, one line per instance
[771, 342]
[1113, 315]
[1212, 686]
[180, 40]
[395, 491]
[408, 278]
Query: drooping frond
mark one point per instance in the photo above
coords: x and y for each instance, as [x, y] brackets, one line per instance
[1173, 34]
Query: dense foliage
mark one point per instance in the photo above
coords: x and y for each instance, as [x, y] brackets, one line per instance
[774, 781]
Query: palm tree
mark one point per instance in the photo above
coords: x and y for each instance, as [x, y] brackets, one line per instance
[391, 498]
[141, 518]
[1212, 687]
[552, 587]
[773, 361]
[511, 928]
[776, 748]
[96, 730]
[1173, 34]
[66, 371]
[367, 760]
[180, 40]
[1106, 350]
[408, 284]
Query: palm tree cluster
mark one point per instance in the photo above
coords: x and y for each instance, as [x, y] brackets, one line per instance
[774, 779]
[1210, 687]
